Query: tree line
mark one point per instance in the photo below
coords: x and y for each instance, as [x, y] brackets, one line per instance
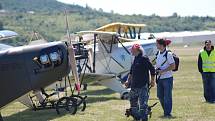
[49, 19]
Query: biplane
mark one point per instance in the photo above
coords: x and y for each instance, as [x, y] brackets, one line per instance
[109, 57]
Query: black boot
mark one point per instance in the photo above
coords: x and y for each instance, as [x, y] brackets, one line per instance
[128, 112]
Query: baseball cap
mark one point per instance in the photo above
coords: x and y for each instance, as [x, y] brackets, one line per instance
[135, 46]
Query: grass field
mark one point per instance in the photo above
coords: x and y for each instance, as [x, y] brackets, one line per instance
[104, 105]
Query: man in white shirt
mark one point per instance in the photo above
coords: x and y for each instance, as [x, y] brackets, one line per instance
[164, 64]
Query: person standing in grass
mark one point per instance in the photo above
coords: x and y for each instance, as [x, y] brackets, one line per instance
[206, 66]
[164, 65]
[139, 81]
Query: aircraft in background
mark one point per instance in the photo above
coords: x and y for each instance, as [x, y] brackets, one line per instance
[109, 57]
[6, 34]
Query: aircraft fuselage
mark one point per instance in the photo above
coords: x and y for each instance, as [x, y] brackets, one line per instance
[27, 68]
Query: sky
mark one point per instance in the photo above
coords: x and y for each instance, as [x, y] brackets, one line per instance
[149, 7]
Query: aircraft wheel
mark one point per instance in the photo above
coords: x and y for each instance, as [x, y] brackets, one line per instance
[66, 103]
[125, 96]
[72, 105]
[81, 102]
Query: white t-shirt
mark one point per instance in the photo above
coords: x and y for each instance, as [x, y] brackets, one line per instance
[160, 60]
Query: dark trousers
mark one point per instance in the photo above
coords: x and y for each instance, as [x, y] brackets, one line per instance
[139, 102]
[164, 93]
[209, 86]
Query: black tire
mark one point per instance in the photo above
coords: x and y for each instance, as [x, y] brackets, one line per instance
[81, 102]
[72, 105]
[66, 104]
[125, 96]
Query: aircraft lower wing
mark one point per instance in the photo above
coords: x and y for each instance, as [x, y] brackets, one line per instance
[111, 81]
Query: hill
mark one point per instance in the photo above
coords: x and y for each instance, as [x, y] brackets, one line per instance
[47, 17]
[37, 6]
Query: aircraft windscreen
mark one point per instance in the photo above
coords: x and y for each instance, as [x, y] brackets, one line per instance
[10, 38]
[4, 47]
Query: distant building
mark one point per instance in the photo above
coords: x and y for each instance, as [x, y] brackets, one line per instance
[31, 12]
[2, 11]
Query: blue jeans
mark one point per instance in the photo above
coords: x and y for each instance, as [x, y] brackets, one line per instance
[139, 110]
[209, 86]
[164, 93]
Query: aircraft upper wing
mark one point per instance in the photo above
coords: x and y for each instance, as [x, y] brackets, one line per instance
[5, 34]
[114, 27]
[107, 36]
[88, 36]
[95, 32]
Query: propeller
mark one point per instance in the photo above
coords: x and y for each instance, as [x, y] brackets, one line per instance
[72, 60]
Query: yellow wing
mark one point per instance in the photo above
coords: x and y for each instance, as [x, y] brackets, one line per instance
[114, 27]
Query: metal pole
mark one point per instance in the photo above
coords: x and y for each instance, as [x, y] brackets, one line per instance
[139, 33]
[94, 54]
[123, 46]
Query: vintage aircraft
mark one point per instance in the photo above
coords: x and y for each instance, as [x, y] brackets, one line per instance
[29, 68]
[109, 57]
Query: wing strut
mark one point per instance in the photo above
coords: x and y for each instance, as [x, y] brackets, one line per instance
[139, 33]
[134, 32]
[123, 46]
[94, 54]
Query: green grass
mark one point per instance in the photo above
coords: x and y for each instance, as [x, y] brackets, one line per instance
[104, 105]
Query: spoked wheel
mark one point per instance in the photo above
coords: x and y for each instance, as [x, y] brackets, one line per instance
[72, 105]
[66, 104]
[81, 102]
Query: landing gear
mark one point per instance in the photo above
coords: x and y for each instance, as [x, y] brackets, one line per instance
[125, 96]
[67, 103]
[81, 102]
[1, 119]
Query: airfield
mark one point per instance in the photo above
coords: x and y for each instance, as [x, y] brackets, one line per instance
[105, 105]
